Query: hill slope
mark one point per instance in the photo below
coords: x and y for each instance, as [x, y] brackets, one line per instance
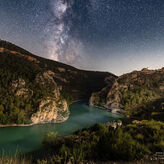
[37, 90]
[139, 93]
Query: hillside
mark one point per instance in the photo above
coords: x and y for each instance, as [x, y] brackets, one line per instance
[140, 94]
[37, 90]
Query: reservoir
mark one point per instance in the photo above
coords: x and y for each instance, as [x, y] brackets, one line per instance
[26, 139]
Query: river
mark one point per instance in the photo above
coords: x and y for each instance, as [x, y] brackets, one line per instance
[26, 139]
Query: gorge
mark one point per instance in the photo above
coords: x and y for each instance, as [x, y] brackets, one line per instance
[43, 96]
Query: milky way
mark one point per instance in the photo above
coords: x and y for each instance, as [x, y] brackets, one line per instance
[109, 35]
[59, 41]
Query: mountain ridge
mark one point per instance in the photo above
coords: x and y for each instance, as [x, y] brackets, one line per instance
[37, 90]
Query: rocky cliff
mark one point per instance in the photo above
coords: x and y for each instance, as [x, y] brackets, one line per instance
[50, 109]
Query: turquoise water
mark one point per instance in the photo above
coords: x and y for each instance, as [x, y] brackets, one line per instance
[25, 139]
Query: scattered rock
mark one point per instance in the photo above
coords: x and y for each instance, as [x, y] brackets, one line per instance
[22, 91]
[61, 69]
[114, 124]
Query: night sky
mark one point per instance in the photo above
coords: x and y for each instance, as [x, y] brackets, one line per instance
[107, 35]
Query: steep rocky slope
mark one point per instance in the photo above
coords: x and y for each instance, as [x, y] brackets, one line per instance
[134, 92]
[37, 90]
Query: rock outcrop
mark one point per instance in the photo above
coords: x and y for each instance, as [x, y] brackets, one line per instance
[19, 88]
[51, 111]
[46, 78]
[20, 83]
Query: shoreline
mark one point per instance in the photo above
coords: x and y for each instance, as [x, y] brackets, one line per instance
[100, 107]
[75, 101]
[32, 124]
[16, 125]
[57, 122]
[114, 111]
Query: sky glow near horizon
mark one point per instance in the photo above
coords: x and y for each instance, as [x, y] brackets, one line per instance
[107, 35]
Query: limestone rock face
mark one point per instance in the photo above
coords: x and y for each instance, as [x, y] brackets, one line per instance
[22, 91]
[49, 77]
[108, 97]
[93, 99]
[19, 88]
[113, 97]
[51, 111]
[20, 83]
[46, 78]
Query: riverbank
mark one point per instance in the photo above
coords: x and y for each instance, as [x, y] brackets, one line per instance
[64, 119]
[115, 111]
[99, 139]
[76, 101]
[32, 124]
[29, 137]
[16, 125]
[55, 122]
[41, 123]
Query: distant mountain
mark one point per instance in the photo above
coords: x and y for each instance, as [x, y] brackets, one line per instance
[140, 94]
[37, 90]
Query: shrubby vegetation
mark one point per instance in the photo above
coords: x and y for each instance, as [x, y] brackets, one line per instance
[16, 160]
[18, 109]
[141, 94]
[135, 95]
[151, 110]
[13, 109]
[140, 87]
[134, 141]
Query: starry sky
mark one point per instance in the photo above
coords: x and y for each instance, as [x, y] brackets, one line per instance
[117, 36]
